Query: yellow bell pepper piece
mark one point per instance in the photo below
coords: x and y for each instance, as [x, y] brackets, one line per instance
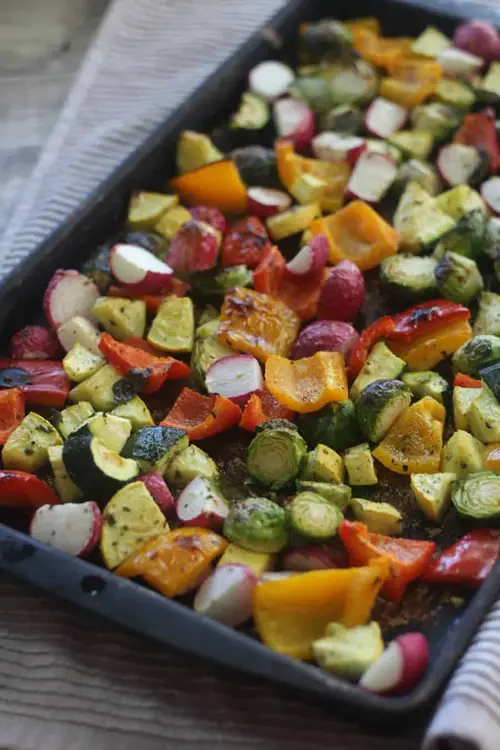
[425, 352]
[308, 384]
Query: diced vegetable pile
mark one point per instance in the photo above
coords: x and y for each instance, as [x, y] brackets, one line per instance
[328, 308]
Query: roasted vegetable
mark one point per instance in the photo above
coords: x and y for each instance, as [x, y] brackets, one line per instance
[477, 496]
[410, 277]
[27, 446]
[348, 652]
[257, 524]
[467, 238]
[323, 464]
[190, 463]
[379, 405]
[458, 278]
[313, 517]
[194, 150]
[155, 447]
[323, 41]
[379, 517]
[276, 454]
[433, 493]
[477, 353]
[335, 425]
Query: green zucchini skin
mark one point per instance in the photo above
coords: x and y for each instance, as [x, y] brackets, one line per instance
[491, 376]
[154, 447]
[379, 405]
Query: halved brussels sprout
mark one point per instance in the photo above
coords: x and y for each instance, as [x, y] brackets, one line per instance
[275, 454]
[257, 524]
[458, 278]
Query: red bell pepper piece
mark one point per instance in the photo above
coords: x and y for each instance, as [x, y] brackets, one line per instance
[465, 381]
[479, 129]
[245, 243]
[46, 384]
[12, 410]
[380, 329]
[469, 561]
[426, 317]
[202, 416]
[408, 557]
[267, 275]
[262, 407]
[126, 358]
[19, 489]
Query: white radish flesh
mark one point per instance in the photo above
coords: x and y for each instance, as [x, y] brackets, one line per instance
[200, 505]
[383, 118]
[457, 163]
[295, 121]
[400, 667]
[310, 558]
[458, 62]
[270, 79]
[277, 575]
[310, 258]
[69, 293]
[138, 269]
[267, 201]
[79, 330]
[226, 595]
[336, 148]
[372, 177]
[236, 377]
[490, 192]
[74, 528]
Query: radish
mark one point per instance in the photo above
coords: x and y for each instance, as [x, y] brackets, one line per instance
[138, 269]
[313, 557]
[194, 247]
[211, 216]
[457, 163]
[270, 79]
[310, 258]
[69, 293]
[199, 504]
[226, 595]
[74, 528]
[267, 201]
[277, 575]
[372, 177]
[400, 667]
[490, 192]
[33, 342]
[459, 63]
[479, 38]
[79, 330]
[337, 147]
[325, 336]
[383, 118]
[159, 491]
[295, 121]
[343, 293]
[236, 377]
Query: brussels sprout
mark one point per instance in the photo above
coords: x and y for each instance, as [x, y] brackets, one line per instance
[190, 463]
[343, 118]
[209, 314]
[98, 269]
[194, 150]
[348, 652]
[313, 517]
[217, 282]
[315, 91]
[475, 354]
[379, 405]
[275, 455]
[491, 245]
[466, 238]
[276, 424]
[437, 118]
[152, 241]
[257, 166]
[253, 113]
[415, 170]
[458, 278]
[324, 40]
[356, 83]
[335, 425]
[337, 494]
[257, 524]
[478, 496]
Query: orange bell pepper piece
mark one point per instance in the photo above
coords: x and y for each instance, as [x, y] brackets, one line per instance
[126, 358]
[308, 384]
[257, 323]
[412, 80]
[12, 410]
[425, 352]
[380, 51]
[174, 562]
[408, 558]
[357, 233]
[262, 407]
[291, 613]
[479, 130]
[217, 185]
[364, 23]
[202, 416]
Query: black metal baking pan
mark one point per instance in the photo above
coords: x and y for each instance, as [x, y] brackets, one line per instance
[126, 602]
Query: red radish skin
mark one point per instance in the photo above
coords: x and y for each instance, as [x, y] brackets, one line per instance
[311, 258]
[479, 38]
[34, 342]
[383, 118]
[138, 269]
[302, 559]
[372, 177]
[456, 163]
[294, 121]
[159, 491]
[69, 293]
[490, 192]
[401, 666]
[200, 505]
[325, 336]
[79, 330]
[270, 79]
[74, 528]
[226, 595]
[236, 377]
[267, 201]
[195, 247]
[336, 147]
[211, 216]
[343, 293]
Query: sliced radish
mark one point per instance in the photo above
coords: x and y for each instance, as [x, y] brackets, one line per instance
[383, 118]
[294, 120]
[313, 557]
[139, 270]
[337, 147]
[74, 528]
[226, 595]
[267, 201]
[479, 38]
[310, 258]
[372, 176]
[159, 491]
[277, 575]
[199, 504]
[457, 163]
[236, 377]
[400, 667]
[270, 79]
[458, 62]
[490, 191]
[69, 293]
[34, 342]
[79, 330]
